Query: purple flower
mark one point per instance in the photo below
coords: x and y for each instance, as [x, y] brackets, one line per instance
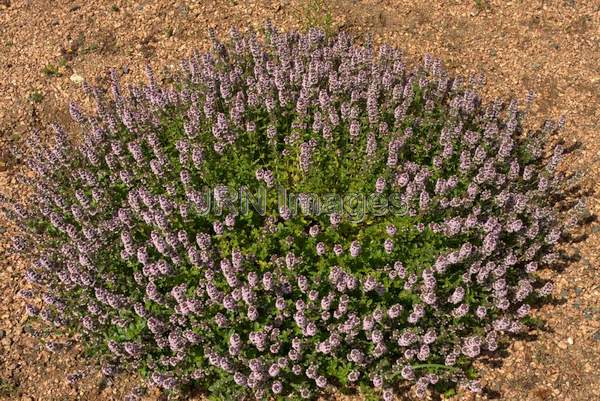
[457, 296]
[545, 290]
[337, 249]
[314, 231]
[391, 230]
[461, 310]
[353, 376]
[354, 129]
[335, 219]
[388, 394]
[407, 372]
[277, 387]
[388, 245]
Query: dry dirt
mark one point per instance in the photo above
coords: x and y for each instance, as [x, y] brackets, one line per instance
[551, 47]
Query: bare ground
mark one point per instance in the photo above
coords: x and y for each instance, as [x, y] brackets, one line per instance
[551, 47]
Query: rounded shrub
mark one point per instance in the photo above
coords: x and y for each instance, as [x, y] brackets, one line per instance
[296, 214]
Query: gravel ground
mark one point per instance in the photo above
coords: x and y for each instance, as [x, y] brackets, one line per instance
[551, 47]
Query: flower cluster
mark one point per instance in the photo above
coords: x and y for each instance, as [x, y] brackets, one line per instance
[280, 304]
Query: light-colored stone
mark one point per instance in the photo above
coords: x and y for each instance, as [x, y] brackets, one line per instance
[78, 79]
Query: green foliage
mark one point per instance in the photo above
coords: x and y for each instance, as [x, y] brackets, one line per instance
[482, 5]
[36, 96]
[51, 71]
[317, 13]
[8, 388]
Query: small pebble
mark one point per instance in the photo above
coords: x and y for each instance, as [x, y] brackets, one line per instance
[77, 78]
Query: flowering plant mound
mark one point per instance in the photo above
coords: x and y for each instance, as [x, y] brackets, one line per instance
[393, 232]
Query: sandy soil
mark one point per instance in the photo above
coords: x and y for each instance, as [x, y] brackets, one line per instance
[549, 46]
